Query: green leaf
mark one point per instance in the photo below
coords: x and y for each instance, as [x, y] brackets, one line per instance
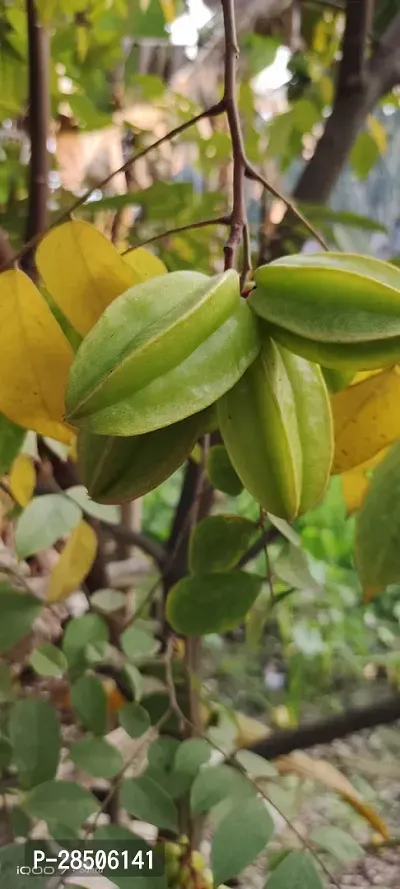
[108, 600]
[134, 719]
[96, 757]
[11, 440]
[146, 21]
[87, 113]
[192, 754]
[161, 753]
[364, 154]
[63, 802]
[218, 542]
[80, 632]
[115, 833]
[80, 495]
[239, 837]
[211, 603]
[221, 472]
[216, 783]
[18, 611]
[12, 857]
[175, 784]
[305, 115]
[35, 738]
[144, 799]
[322, 214]
[296, 871]
[378, 527]
[5, 753]
[20, 822]
[89, 699]
[255, 765]
[260, 51]
[291, 565]
[48, 660]
[137, 643]
[339, 843]
[135, 680]
[6, 683]
[285, 529]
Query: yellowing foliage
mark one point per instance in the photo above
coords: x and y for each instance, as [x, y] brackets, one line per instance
[82, 271]
[366, 419]
[308, 768]
[74, 563]
[355, 482]
[35, 358]
[22, 479]
[144, 264]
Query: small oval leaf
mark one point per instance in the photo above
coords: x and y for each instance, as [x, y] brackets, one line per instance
[211, 603]
[239, 837]
[218, 542]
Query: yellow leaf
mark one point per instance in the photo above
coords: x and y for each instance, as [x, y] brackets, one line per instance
[355, 482]
[378, 133]
[197, 454]
[35, 358]
[144, 264]
[325, 773]
[366, 419]
[22, 479]
[73, 450]
[249, 730]
[364, 375]
[82, 271]
[74, 563]
[168, 8]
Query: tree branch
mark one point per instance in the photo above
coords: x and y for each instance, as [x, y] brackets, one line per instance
[239, 216]
[202, 223]
[38, 125]
[355, 98]
[251, 173]
[136, 538]
[6, 252]
[328, 730]
[270, 535]
[384, 66]
[354, 44]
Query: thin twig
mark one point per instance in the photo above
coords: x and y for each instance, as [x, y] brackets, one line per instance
[176, 131]
[252, 173]
[239, 215]
[201, 223]
[134, 538]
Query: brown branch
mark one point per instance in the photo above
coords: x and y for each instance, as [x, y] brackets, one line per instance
[354, 44]
[6, 251]
[38, 126]
[328, 730]
[136, 538]
[239, 216]
[270, 535]
[251, 173]
[350, 109]
[210, 112]
[202, 223]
